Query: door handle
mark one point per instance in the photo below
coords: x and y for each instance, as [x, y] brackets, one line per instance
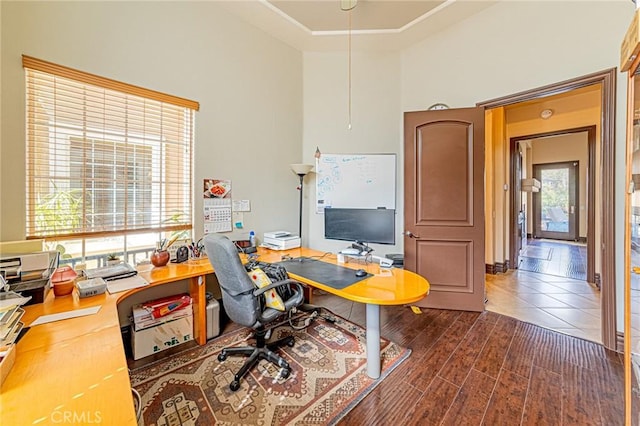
[411, 234]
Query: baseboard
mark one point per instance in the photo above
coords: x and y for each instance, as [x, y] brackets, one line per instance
[619, 342]
[597, 281]
[496, 268]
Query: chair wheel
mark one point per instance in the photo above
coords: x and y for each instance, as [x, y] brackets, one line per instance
[290, 343]
[285, 373]
[222, 356]
[234, 386]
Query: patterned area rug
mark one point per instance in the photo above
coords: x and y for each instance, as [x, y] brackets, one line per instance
[328, 379]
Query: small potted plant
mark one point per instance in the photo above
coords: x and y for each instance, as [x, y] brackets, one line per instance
[113, 259]
[160, 256]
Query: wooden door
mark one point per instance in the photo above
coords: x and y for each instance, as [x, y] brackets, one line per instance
[555, 213]
[444, 205]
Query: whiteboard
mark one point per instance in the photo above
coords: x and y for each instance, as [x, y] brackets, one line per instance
[355, 181]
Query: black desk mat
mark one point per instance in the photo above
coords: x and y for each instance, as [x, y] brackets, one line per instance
[334, 276]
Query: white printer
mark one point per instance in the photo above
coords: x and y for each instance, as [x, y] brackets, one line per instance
[280, 240]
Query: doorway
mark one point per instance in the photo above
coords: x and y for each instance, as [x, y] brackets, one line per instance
[555, 205]
[605, 201]
[546, 149]
[550, 286]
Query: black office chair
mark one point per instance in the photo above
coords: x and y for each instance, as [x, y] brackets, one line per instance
[244, 305]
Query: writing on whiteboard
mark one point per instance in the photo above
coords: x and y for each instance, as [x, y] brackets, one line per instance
[355, 181]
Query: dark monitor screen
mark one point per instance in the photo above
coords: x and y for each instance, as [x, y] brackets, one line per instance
[362, 225]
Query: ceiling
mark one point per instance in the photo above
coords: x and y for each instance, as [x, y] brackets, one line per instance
[322, 25]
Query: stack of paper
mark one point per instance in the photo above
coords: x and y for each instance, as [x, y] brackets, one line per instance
[10, 325]
[116, 285]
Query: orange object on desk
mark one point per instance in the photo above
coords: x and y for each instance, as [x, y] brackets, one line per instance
[63, 280]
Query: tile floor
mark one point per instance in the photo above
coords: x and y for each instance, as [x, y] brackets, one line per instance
[562, 304]
[562, 258]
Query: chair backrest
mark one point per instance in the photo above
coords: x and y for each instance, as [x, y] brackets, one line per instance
[237, 288]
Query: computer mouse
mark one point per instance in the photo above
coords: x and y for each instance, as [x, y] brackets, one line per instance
[361, 273]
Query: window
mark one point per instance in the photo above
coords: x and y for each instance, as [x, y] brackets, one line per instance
[109, 165]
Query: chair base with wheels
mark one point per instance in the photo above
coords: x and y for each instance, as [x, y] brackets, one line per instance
[246, 303]
[262, 350]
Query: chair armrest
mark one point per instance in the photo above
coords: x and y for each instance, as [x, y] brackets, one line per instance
[262, 290]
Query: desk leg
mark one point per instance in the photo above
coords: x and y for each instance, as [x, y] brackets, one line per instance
[373, 341]
[199, 303]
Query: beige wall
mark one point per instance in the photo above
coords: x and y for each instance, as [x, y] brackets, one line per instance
[249, 85]
[375, 123]
[494, 193]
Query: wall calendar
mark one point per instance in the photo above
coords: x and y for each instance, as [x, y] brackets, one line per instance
[217, 205]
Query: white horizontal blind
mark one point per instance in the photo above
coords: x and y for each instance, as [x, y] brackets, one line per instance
[102, 161]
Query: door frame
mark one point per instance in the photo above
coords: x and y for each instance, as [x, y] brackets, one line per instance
[573, 168]
[591, 193]
[607, 80]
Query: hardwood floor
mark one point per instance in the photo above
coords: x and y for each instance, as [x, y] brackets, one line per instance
[486, 369]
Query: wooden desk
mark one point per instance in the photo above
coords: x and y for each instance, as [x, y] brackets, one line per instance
[386, 287]
[75, 371]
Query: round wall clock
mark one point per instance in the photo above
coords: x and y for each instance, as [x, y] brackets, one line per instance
[438, 106]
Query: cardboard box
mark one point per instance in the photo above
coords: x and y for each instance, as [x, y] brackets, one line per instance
[155, 339]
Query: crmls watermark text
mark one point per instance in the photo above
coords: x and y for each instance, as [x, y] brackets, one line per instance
[76, 417]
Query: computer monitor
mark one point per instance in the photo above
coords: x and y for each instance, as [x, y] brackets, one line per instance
[360, 225]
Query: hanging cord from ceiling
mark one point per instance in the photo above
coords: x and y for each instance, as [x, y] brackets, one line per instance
[348, 6]
[349, 77]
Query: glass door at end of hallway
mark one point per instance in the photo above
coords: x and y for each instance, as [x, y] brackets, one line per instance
[555, 205]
